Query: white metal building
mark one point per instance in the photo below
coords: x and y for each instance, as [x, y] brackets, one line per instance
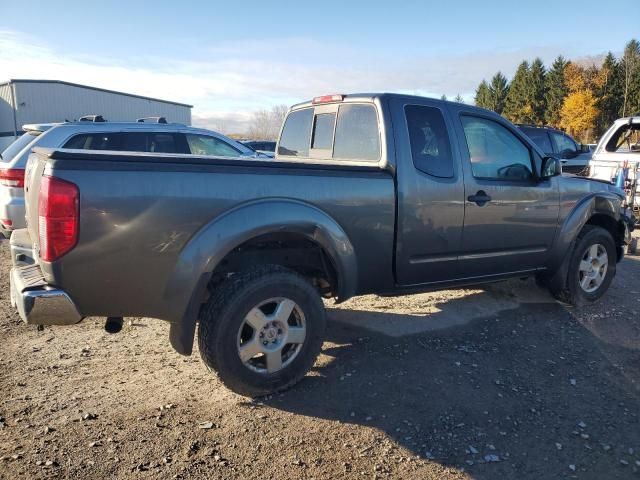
[46, 101]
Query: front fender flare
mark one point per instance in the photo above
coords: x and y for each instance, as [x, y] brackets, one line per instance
[200, 256]
[604, 203]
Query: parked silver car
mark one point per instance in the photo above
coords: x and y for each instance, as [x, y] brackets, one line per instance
[154, 135]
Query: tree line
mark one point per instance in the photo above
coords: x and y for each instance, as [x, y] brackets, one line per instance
[582, 100]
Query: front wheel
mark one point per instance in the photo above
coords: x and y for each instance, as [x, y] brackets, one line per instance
[262, 330]
[592, 267]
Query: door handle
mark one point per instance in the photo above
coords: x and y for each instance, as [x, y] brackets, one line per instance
[480, 198]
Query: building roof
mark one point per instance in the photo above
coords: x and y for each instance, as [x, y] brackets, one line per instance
[61, 82]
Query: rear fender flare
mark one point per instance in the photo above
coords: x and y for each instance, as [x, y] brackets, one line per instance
[199, 258]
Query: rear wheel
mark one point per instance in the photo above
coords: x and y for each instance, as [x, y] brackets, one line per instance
[592, 267]
[262, 330]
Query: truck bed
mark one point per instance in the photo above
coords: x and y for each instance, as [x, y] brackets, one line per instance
[141, 213]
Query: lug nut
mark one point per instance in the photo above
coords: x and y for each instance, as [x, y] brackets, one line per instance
[264, 343]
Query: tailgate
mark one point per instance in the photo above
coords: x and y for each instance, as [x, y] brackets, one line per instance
[33, 175]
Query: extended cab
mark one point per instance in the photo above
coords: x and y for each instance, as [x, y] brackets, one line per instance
[385, 193]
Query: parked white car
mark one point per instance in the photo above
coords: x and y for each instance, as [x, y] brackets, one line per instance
[619, 150]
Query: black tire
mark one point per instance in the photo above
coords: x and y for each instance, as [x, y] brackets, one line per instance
[572, 293]
[223, 316]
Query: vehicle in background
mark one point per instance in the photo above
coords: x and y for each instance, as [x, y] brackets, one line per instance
[618, 152]
[575, 156]
[12, 177]
[264, 146]
[382, 194]
[92, 132]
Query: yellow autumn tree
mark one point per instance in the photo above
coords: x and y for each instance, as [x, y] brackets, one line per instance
[574, 77]
[578, 114]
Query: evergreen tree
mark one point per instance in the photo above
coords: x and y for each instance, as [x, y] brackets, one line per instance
[481, 98]
[537, 75]
[630, 69]
[555, 91]
[458, 99]
[608, 92]
[443, 97]
[518, 107]
[498, 91]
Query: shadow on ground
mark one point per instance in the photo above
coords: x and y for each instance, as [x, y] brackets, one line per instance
[536, 391]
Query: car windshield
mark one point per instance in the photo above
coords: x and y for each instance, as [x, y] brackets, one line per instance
[626, 139]
[13, 149]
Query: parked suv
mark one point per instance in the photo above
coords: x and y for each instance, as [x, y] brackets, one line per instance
[154, 135]
[575, 156]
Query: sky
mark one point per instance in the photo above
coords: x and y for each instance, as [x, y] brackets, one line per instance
[229, 59]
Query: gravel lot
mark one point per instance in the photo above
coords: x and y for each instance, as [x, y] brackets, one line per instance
[494, 383]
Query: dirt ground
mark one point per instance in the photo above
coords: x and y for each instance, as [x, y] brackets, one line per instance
[493, 383]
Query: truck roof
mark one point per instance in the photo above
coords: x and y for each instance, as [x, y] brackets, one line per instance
[372, 97]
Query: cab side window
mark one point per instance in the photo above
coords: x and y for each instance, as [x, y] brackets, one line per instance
[154, 142]
[430, 146]
[495, 152]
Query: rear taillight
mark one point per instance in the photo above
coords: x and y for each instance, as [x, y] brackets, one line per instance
[12, 177]
[58, 213]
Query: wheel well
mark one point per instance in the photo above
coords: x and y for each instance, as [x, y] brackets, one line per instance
[612, 226]
[290, 250]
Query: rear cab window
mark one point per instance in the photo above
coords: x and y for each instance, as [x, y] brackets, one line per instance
[336, 131]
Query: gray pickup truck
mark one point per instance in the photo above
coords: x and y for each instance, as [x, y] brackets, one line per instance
[386, 194]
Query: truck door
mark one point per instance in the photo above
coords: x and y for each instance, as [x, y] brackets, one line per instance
[430, 192]
[510, 215]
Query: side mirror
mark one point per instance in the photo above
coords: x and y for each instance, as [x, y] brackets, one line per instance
[551, 167]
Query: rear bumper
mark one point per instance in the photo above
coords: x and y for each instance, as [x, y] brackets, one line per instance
[39, 303]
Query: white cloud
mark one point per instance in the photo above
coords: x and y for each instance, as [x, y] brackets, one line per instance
[231, 81]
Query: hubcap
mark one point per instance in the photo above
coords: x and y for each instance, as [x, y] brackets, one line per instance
[271, 335]
[593, 268]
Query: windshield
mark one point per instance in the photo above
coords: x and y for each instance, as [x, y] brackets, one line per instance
[625, 140]
[15, 148]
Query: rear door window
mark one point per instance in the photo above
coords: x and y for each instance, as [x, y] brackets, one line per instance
[296, 134]
[357, 136]
[430, 145]
[153, 142]
[95, 141]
